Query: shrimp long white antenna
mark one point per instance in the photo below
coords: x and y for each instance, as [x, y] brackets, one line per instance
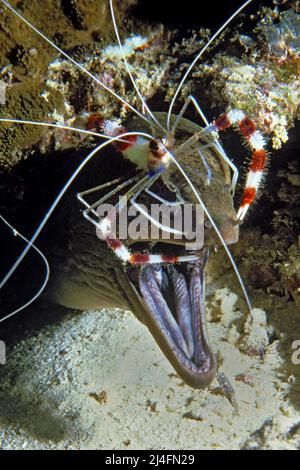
[58, 126]
[59, 197]
[216, 230]
[47, 275]
[212, 39]
[67, 56]
[144, 104]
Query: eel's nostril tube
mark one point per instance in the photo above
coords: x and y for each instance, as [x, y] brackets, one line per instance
[230, 232]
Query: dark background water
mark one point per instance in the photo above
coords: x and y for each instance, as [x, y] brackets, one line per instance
[192, 13]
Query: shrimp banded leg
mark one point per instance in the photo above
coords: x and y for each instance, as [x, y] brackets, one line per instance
[215, 143]
[257, 143]
[91, 213]
[252, 136]
[104, 225]
[91, 208]
[158, 198]
[123, 253]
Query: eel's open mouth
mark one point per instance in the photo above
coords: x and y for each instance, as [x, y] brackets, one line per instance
[174, 301]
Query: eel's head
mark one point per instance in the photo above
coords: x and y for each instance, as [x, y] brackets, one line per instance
[168, 298]
[172, 296]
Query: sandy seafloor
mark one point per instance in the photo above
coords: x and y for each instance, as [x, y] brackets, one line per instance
[97, 380]
[49, 396]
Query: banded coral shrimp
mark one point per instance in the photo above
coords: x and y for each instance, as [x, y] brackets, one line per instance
[134, 146]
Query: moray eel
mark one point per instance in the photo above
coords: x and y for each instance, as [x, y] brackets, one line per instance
[168, 299]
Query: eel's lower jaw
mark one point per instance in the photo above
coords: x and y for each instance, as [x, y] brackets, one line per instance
[174, 301]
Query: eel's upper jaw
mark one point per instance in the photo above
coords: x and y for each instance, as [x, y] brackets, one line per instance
[173, 297]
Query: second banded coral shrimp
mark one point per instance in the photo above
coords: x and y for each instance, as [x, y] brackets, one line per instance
[157, 156]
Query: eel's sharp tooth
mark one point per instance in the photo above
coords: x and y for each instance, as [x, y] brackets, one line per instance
[160, 309]
[197, 287]
[183, 309]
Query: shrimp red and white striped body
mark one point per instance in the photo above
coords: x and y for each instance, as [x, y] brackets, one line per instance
[145, 154]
